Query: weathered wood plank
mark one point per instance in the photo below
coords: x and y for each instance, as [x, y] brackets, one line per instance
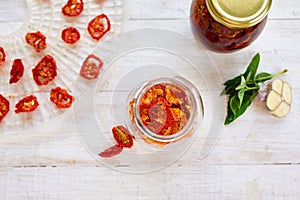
[249, 182]
[164, 9]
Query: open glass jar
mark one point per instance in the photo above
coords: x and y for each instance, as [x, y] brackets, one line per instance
[164, 110]
[226, 26]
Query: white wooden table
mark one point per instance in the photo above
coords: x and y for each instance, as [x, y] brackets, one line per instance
[257, 157]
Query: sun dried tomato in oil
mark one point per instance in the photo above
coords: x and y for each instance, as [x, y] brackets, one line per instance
[122, 136]
[124, 140]
[111, 151]
[17, 71]
[216, 36]
[164, 109]
[4, 107]
[27, 104]
[37, 40]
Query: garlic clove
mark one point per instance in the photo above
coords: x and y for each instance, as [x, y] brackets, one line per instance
[287, 93]
[273, 100]
[282, 110]
[277, 86]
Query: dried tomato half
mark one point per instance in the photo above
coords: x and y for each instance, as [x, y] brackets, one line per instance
[122, 136]
[16, 71]
[70, 35]
[2, 56]
[111, 151]
[99, 26]
[45, 71]
[61, 98]
[72, 8]
[37, 40]
[27, 104]
[91, 67]
[4, 107]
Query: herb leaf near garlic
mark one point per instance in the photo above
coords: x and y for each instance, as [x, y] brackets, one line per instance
[242, 89]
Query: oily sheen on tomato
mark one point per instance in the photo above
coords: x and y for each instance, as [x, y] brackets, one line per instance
[122, 136]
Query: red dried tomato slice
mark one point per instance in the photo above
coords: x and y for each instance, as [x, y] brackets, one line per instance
[99, 26]
[70, 35]
[61, 98]
[27, 104]
[37, 40]
[122, 136]
[91, 67]
[72, 8]
[45, 70]
[16, 71]
[111, 151]
[4, 107]
[2, 56]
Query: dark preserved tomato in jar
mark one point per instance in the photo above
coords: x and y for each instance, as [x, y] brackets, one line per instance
[226, 26]
[164, 110]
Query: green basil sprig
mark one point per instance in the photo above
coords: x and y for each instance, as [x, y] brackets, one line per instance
[243, 89]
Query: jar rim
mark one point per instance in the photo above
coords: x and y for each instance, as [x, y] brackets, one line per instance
[239, 14]
[178, 81]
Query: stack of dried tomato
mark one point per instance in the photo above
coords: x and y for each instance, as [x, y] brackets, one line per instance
[164, 109]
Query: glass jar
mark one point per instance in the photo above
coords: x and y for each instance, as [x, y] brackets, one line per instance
[226, 26]
[164, 110]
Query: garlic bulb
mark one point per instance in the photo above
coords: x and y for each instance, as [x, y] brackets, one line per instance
[279, 98]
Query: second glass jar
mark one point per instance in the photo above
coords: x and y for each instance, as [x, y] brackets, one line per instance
[226, 26]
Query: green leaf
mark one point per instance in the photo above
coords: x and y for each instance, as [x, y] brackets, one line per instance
[230, 115]
[234, 111]
[234, 104]
[235, 80]
[263, 76]
[230, 85]
[248, 78]
[241, 94]
[248, 97]
[252, 68]
[243, 83]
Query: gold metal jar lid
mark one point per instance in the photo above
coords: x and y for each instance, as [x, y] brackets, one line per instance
[239, 13]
